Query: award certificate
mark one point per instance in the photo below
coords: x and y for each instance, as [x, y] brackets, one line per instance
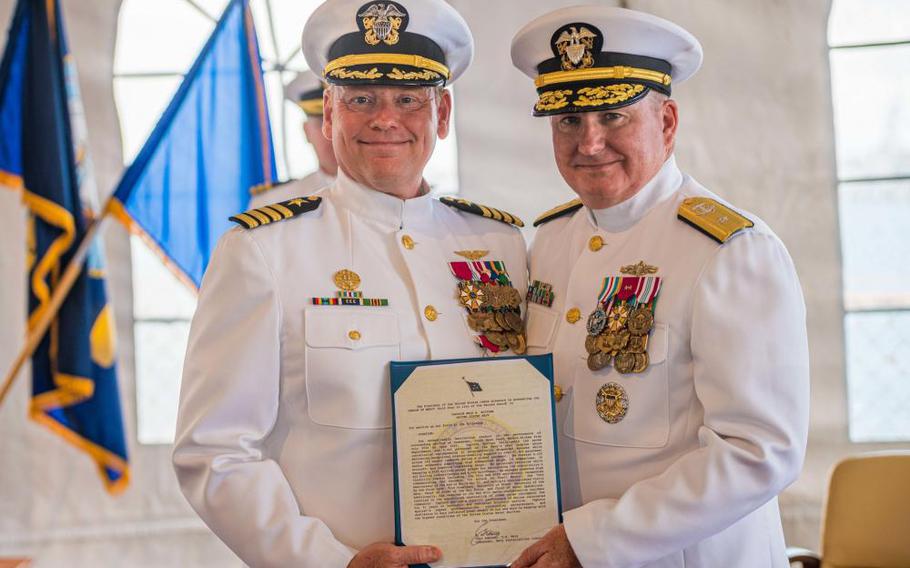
[475, 457]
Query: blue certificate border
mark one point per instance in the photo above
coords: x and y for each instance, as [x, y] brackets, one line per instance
[400, 371]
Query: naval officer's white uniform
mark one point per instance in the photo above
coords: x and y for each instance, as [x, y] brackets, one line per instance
[284, 445]
[716, 426]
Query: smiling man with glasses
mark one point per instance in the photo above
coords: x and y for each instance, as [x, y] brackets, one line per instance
[284, 444]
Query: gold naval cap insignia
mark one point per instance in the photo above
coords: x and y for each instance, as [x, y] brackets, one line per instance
[347, 280]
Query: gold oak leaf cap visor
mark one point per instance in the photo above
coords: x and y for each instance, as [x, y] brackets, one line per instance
[591, 58]
[411, 42]
[305, 91]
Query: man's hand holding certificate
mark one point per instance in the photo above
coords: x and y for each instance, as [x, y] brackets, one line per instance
[475, 457]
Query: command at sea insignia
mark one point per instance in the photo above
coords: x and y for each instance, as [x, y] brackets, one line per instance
[483, 210]
[275, 212]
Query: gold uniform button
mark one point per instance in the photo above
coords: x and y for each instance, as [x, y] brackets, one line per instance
[354, 335]
[557, 392]
[573, 315]
[430, 313]
[596, 243]
[407, 241]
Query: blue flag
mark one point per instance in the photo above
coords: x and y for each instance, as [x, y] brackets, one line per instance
[211, 145]
[42, 153]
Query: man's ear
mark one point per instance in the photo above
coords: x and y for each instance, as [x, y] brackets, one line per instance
[327, 113]
[444, 114]
[670, 121]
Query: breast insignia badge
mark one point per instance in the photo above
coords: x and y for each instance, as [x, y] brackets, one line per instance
[619, 326]
[472, 254]
[492, 304]
[347, 282]
[612, 403]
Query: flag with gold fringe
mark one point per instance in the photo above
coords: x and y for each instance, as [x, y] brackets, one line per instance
[43, 155]
[212, 143]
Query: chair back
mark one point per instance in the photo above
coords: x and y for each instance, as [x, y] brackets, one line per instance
[867, 515]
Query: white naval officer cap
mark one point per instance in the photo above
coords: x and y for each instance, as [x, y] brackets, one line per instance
[411, 42]
[588, 58]
[305, 91]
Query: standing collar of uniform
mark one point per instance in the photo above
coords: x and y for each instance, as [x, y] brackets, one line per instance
[383, 208]
[624, 215]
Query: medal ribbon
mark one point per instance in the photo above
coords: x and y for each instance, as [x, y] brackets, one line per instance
[486, 271]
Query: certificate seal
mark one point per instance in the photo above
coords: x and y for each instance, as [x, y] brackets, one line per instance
[478, 466]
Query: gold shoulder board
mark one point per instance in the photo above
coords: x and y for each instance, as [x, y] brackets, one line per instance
[558, 211]
[276, 212]
[712, 218]
[482, 210]
[263, 187]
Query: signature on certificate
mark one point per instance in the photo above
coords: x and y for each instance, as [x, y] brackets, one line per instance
[485, 533]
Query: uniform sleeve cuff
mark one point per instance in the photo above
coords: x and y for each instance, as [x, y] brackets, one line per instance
[581, 529]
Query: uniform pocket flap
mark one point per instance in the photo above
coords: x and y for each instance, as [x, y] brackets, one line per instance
[350, 328]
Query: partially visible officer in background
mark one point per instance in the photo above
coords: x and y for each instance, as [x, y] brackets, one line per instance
[305, 91]
[284, 443]
[676, 320]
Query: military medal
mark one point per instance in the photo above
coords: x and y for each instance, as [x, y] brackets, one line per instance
[493, 306]
[612, 403]
[618, 327]
[596, 321]
[598, 360]
[640, 320]
[347, 282]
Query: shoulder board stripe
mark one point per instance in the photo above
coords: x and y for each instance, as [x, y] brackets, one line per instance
[712, 218]
[276, 212]
[260, 216]
[245, 219]
[285, 212]
[482, 210]
[558, 211]
[271, 213]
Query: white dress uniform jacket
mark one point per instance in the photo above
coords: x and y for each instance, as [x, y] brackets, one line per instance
[716, 426]
[307, 185]
[284, 445]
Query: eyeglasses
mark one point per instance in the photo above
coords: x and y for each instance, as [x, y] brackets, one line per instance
[362, 100]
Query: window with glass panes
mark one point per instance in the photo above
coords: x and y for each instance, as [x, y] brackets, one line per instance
[870, 78]
[157, 42]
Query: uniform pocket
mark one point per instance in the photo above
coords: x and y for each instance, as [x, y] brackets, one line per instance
[541, 325]
[347, 366]
[647, 420]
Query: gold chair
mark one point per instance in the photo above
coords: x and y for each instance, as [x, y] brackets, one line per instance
[866, 522]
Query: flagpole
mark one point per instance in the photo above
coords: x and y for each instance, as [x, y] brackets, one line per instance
[61, 291]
